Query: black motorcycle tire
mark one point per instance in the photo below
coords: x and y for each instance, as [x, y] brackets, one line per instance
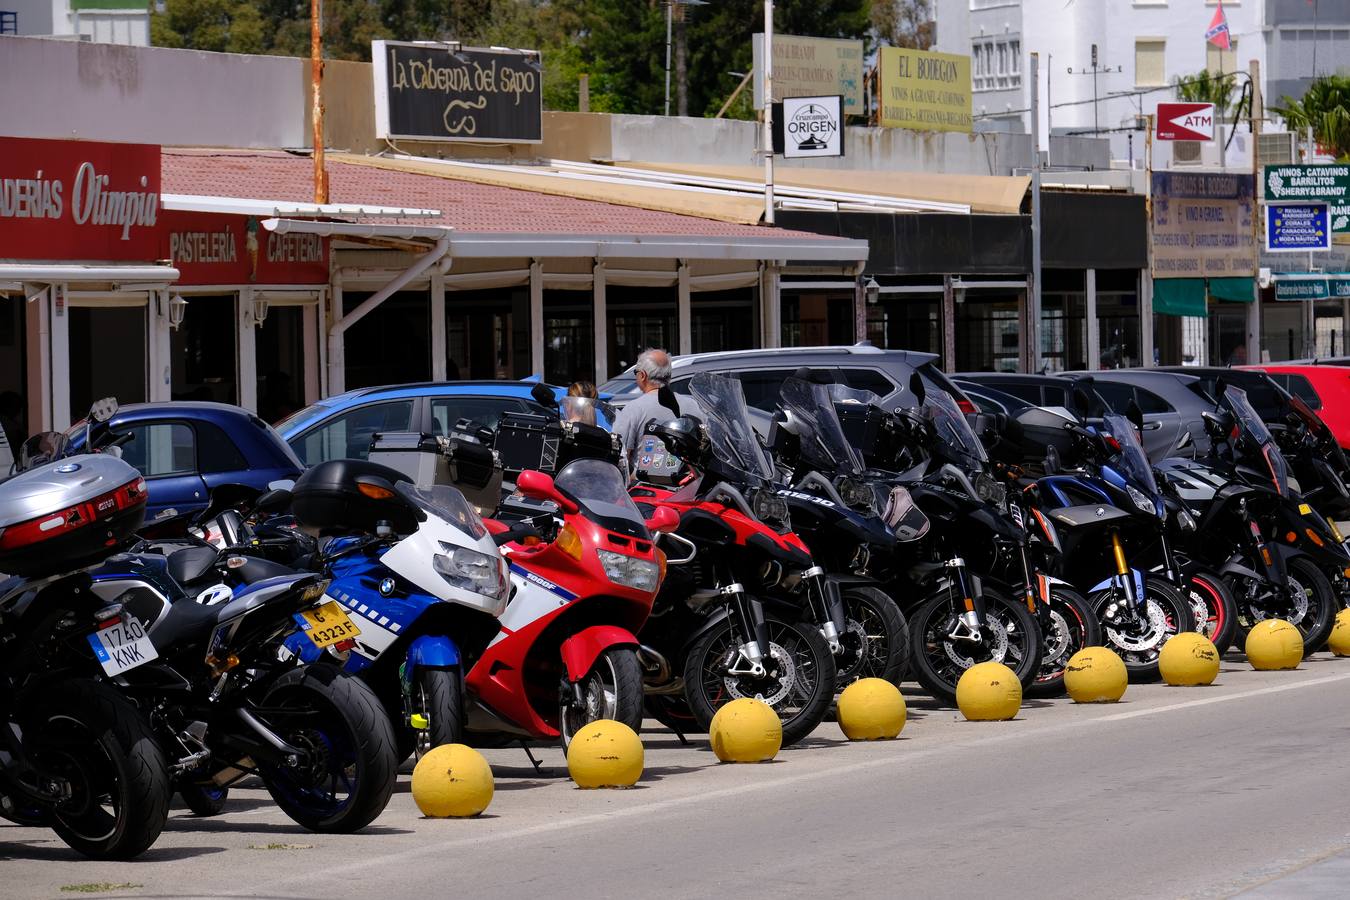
[813, 678]
[357, 727]
[617, 668]
[1143, 666]
[939, 677]
[874, 624]
[204, 800]
[1082, 630]
[1221, 608]
[82, 718]
[1316, 624]
[443, 697]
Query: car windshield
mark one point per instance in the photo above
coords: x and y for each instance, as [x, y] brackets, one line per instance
[600, 487]
[445, 502]
[1133, 461]
[1250, 424]
[822, 441]
[733, 440]
[621, 387]
[952, 429]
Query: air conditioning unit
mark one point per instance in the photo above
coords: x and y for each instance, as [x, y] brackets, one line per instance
[1186, 153]
[1276, 148]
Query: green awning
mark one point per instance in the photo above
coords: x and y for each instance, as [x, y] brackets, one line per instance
[1234, 290]
[1180, 297]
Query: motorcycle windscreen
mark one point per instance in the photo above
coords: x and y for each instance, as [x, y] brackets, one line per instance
[1132, 461]
[953, 430]
[445, 502]
[823, 444]
[601, 490]
[587, 411]
[733, 440]
[1251, 424]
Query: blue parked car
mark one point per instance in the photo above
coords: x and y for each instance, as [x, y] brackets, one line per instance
[341, 427]
[186, 449]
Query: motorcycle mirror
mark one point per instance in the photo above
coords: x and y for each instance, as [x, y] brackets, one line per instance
[1135, 415]
[103, 410]
[666, 397]
[540, 486]
[916, 387]
[663, 521]
[543, 395]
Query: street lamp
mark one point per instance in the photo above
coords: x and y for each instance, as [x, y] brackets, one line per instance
[670, 19]
[872, 291]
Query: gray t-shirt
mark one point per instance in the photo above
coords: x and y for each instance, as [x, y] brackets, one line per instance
[633, 419]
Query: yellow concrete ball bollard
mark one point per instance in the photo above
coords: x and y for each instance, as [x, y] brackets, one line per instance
[989, 692]
[871, 709]
[1095, 675]
[746, 731]
[1339, 642]
[1274, 644]
[1187, 659]
[605, 754]
[452, 781]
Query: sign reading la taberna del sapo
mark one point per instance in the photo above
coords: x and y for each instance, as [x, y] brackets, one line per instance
[444, 92]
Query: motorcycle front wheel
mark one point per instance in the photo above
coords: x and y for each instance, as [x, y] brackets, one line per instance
[96, 742]
[348, 771]
[875, 640]
[612, 689]
[798, 680]
[1314, 605]
[1073, 626]
[940, 654]
[1138, 643]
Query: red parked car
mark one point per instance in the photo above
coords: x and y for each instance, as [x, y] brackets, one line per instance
[1325, 388]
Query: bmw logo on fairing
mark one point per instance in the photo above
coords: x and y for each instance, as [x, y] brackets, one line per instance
[387, 586]
[68, 468]
[1100, 512]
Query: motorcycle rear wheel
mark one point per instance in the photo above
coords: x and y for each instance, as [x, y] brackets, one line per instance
[1011, 636]
[875, 639]
[799, 682]
[1073, 626]
[612, 689]
[1210, 595]
[349, 775]
[1317, 619]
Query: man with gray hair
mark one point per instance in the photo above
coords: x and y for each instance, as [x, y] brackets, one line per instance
[652, 373]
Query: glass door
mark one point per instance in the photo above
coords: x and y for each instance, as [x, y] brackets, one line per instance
[487, 334]
[107, 352]
[13, 369]
[204, 350]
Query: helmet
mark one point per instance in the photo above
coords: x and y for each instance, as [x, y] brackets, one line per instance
[683, 437]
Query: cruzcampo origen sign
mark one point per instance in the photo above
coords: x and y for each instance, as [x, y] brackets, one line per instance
[1321, 183]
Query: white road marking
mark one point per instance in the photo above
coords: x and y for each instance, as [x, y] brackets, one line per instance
[572, 823]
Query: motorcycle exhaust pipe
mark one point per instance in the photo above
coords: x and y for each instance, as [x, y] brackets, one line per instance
[657, 670]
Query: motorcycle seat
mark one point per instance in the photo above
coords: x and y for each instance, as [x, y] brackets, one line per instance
[185, 624]
[190, 564]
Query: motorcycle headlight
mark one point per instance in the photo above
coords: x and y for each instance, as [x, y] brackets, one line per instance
[472, 571]
[1185, 521]
[629, 571]
[856, 494]
[1143, 502]
[770, 509]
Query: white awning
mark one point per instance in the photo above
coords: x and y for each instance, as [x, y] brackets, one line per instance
[55, 273]
[242, 206]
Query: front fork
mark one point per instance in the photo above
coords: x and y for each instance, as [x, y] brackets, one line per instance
[827, 606]
[971, 618]
[1036, 590]
[747, 615]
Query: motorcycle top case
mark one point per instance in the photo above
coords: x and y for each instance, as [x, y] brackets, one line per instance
[68, 514]
[352, 495]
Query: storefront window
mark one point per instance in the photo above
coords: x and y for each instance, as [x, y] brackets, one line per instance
[569, 337]
[487, 334]
[906, 322]
[1063, 320]
[392, 344]
[724, 320]
[204, 351]
[13, 397]
[1329, 328]
[1282, 329]
[817, 318]
[1118, 318]
[107, 355]
[639, 318]
[281, 362]
[988, 332]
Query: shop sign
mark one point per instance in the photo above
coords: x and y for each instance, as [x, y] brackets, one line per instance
[1203, 225]
[806, 127]
[1297, 226]
[1185, 122]
[812, 67]
[1324, 183]
[443, 92]
[210, 248]
[1332, 287]
[924, 91]
[78, 200]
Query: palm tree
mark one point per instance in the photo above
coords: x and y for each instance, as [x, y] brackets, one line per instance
[1207, 87]
[1326, 107]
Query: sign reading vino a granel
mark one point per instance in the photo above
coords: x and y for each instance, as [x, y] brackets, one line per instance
[444, 92]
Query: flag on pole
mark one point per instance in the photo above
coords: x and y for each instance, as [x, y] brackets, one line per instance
[1217, 34]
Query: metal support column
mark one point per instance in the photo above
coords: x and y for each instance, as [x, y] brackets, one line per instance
[601, 323]
[439, 369]
[536, 318]
[1094, 336]
[683, 311]
[948, 324]
[248, 351]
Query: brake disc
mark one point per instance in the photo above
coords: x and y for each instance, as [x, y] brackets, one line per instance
[1149, 637]
[787, 676]
[1057, 642]
[995, 636]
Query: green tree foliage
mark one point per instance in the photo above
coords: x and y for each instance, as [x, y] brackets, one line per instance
[1325, 106]
[904, 23]
[1206, 87]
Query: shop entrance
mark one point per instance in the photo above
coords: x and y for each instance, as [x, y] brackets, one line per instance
[906, 321]
[1329, 327]
[1282, 329]
[391, 345]
[569, 342]
[988, 331]
[107, 351]
[487, 334]
[639, 318]
[13, 369]
[204, 350]
[817, 318]
[723, 320]
[1064, 320]
[286, 355]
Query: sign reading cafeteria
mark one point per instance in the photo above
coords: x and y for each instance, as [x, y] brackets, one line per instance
[1203, 225]
[444, 92]
[811, 67]
[78, 200]
[209, 248]
[924, 91]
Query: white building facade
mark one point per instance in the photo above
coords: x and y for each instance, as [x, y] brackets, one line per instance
[99, 21]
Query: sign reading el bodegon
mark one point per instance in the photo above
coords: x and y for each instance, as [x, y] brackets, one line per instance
[442, 92]
[78, 200]
[209, 248]
[923, 90]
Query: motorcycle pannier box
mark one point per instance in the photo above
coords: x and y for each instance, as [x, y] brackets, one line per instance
[68, 514]
[347, 495]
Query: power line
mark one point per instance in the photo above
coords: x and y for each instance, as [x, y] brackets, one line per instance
[1125, 94]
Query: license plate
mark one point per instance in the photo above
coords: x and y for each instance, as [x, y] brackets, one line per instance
[122, 646]
[327, 624]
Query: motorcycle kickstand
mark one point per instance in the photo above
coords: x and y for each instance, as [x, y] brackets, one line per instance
[538, 766]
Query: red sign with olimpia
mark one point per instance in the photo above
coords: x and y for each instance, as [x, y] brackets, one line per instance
[78, 201]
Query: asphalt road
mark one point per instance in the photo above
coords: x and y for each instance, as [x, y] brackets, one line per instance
[1173, 792]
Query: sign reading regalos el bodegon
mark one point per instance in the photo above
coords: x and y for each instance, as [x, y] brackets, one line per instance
[444, 92]
[924, 91]
[78, 200]
[1203, 224]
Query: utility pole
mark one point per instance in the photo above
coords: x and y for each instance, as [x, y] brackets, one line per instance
[316, 110]
[1034, 295]
[1258, 114]
[767, 137]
